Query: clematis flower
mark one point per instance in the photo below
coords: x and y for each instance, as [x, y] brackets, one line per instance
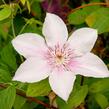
[58, 57]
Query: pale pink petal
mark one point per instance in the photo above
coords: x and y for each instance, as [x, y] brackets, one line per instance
[83, 40]
[32, 70]
[54, 30]
[29, 44]
[62, 83]
[92, 66]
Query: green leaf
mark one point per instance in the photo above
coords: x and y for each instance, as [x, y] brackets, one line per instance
[39, 0]
[28, 6]
[32, 28]
[76, 98]
[101, 100]
[4, 76]
[23, 1]
[7, 97]
[79, 16]
[4, 29]
[19, 102]
[8, 56]
[19, 22]
[99, 20]
[5, 13]
[36, 9]
[29, 105]
[92, 1]
[100, 86]
[41, 88]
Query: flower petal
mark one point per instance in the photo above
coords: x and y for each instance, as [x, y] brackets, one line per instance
[83, 39]
[91, 66]
[29, 44]
[62, 83]
[32, 70]
[54, 30]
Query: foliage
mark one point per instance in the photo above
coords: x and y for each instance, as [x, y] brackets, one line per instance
[21, 16]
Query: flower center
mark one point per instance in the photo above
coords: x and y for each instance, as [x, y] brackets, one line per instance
[59, 57]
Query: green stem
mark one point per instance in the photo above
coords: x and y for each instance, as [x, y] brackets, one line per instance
[13, 29]
[4, 1]
[82, 80]
[23, 28]
[12, 23]
[21, 57]
[38, 22]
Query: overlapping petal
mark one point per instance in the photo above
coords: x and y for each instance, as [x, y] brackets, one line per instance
[62, 83]
[32, 70]
[83, 40]
[54, 30]
[29, 44]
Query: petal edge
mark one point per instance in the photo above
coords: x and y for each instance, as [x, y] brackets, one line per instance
[62, 84]
[54, 30]
[83, 39]
[32, 70]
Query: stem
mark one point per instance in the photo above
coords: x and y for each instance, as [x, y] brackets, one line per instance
[36, 21]
[21, 57]
[86, 5]
[13, 29]
[82, 80]
[12, 23]
[23, 28]
[21, 93]
[4, 1]
[52, 99]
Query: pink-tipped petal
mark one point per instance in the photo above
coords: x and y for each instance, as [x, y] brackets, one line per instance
[83, 39]
[92, 66]
[32, 70]
[62, 83]
[54, 30]
[29, 44]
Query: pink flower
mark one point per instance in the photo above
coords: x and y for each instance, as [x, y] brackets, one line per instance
[58, 57]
